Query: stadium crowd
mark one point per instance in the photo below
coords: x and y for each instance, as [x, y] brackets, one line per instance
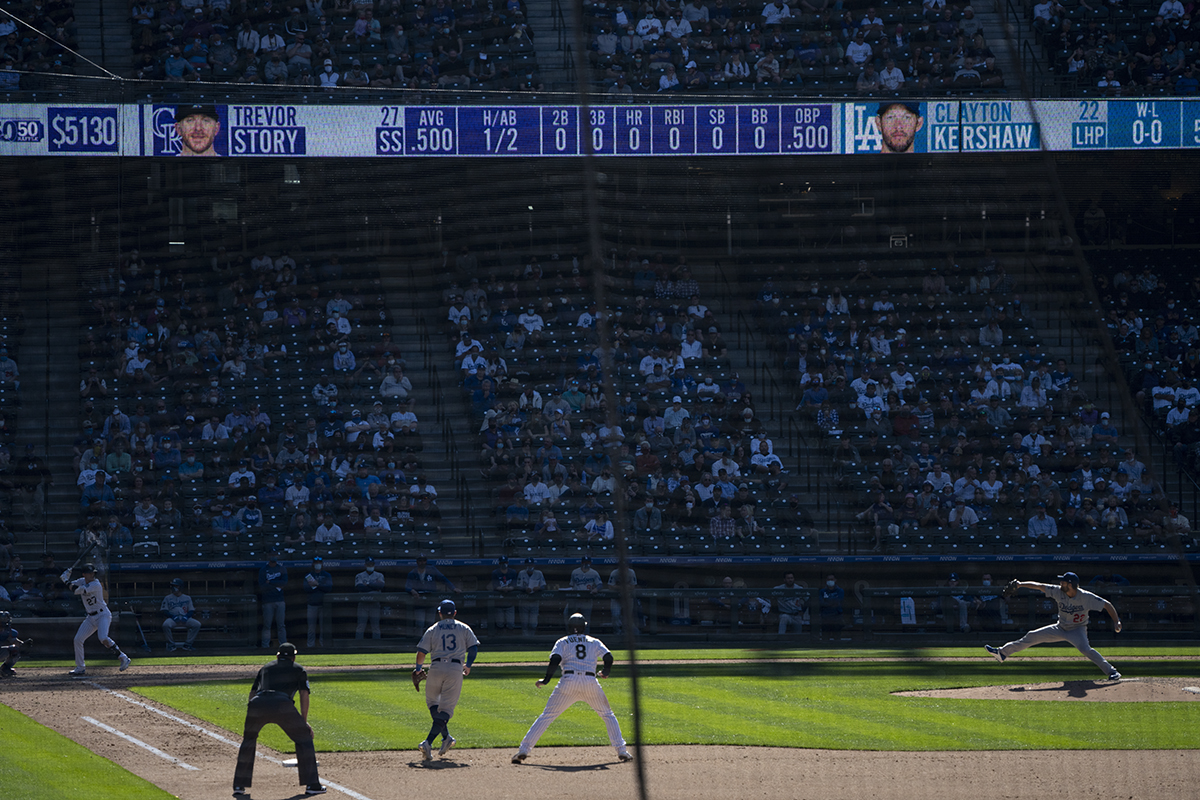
[247, 405]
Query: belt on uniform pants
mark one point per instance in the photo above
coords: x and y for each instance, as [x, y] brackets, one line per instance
[573, 672]
[92, 613]
[451, 660]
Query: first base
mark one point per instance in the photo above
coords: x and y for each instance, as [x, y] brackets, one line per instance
[291, 762]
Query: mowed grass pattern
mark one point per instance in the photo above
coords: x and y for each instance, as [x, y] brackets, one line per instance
[831, 704]
[37, 763]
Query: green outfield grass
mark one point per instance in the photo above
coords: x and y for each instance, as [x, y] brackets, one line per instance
[827, 704]
[38, 764]
[975, 652]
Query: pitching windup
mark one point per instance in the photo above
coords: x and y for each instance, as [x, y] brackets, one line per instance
[1074, 607]
[577, 653]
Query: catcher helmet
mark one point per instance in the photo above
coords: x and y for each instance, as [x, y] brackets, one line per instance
[447, 608]
[5, 619]
[577, 624]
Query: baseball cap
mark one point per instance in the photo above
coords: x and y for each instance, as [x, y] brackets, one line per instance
[177, 582]
[183, 112]
[953, 576]
[529, 561]
[446, 607]
[287, 649]
[503, 559]
[1069, 577]
[913, 107]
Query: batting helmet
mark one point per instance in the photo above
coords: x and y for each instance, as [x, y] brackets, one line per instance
[87, 568]
[577, 624]
[447, 608]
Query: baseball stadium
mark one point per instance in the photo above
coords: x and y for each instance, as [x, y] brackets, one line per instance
[695, 398]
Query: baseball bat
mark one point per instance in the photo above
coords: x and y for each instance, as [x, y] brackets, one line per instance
[83, 554]
[137, 619]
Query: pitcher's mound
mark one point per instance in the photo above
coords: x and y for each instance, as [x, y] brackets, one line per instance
[1127, 690]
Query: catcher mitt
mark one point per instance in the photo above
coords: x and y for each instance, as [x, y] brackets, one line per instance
[419, 674]
[1012, 588]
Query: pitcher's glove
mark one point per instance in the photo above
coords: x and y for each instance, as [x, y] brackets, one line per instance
[1012, 588]
[418, 674]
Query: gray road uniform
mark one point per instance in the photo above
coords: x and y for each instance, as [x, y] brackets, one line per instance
[446, 642]
[1071, 626]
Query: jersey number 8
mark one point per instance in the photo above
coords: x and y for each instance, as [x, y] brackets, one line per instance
[581, 651]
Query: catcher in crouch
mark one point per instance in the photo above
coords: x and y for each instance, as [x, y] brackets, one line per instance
[447, 642]
[1074, 605]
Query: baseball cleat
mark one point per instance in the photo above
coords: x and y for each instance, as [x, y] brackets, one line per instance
[239, 791]
[447, 743]
[187, 647]
[1114, 676]
[7, 671]
[170, 647]
[625, 757]
[77, 673]
[125, 662]
[995, 653]
[519, 758]
[426, 751]
[314, 788]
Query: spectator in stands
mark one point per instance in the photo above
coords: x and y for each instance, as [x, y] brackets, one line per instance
[858, 52]
[1042, 526]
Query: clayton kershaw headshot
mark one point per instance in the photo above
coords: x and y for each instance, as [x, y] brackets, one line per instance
[198, 128]
[898, 126]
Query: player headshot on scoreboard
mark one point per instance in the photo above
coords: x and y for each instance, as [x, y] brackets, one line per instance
[898, 125]
[197, 127]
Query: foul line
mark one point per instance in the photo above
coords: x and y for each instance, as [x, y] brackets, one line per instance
[223, 739]
[141, 744]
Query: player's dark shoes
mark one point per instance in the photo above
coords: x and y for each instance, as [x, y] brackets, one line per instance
[1114, 676]
[314, 788]
[995, 653]
[7, 671]
[625, 757]
[519, 758]
[171, 647]
[447, 743]
[77, 673]
[426, 751]
[187, 647]
[239, 791]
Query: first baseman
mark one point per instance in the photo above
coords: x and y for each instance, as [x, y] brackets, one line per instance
[98, 618]
[577, 652]
[447, 642]
[1074, 604]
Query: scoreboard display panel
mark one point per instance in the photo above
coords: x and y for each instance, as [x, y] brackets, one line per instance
[730, 127]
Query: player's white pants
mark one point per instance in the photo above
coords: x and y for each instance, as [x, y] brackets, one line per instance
[443, 687]
[570, 690]
[1053, 633]
[91, 624]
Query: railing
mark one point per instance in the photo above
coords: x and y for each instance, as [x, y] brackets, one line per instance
[803, 460]
[1031, 65]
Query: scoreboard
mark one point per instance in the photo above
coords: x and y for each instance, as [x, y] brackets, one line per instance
[977, 125]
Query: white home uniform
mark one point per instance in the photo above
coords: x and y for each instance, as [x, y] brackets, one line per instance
[1071, 626]
[446, 642]
[98, 619]
[579, 653]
